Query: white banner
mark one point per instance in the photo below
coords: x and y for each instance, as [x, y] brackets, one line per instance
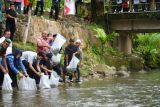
[69, 7]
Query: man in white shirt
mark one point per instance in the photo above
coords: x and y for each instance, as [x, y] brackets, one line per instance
[31, 61]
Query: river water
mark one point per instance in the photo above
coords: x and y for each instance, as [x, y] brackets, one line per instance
[138, 90]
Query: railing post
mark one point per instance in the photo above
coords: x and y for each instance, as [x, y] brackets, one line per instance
[152, 5]
[130, 5]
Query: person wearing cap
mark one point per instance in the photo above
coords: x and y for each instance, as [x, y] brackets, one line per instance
[69, 51]
[43, 43]
[79, 55]
[15, 66]
[45, 64]
[31, 62]
[4, 43]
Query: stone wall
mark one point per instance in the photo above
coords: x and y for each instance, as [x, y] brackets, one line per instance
[67, 27]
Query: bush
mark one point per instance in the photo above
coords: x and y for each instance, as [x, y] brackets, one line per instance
[148, 47]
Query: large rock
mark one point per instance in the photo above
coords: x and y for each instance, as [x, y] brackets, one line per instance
[102, 70]
[123, 72]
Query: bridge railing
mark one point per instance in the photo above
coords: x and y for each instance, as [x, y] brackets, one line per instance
[113, 7]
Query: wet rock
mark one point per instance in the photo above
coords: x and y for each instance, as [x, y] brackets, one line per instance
[123, 72]
[136, 63]
[102, 70]
[142, 71]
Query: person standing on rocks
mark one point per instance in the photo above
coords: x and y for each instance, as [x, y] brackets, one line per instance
[69, 51]
[17, 4]
[40, 3]
[79, 55]
[10, 20]
[55, 6]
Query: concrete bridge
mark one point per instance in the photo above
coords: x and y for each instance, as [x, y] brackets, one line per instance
[132, 22]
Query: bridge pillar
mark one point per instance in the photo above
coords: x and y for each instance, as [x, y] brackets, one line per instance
[125, 43]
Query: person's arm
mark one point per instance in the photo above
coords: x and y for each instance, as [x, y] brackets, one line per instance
[3, 69]
[32, 68]
[66, 55]
[14, 69]
[23, 68]
[45, 69]
[9, 16]
[5, 63]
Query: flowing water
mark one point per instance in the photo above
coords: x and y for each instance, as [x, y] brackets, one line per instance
[138, 90]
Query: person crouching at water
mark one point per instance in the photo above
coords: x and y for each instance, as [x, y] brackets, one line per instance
[45, 64]
[31, 61]
[15, 66]
[4, 43]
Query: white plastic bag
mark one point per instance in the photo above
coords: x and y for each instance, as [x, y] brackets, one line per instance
[57, 44]
[54, 79]
[6, 86]
[73, 64]
[56, 59]
[44, 82]
[22, 84]
[31, 83]
[27, 83]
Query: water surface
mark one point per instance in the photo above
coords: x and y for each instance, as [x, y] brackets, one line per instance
[138, 90]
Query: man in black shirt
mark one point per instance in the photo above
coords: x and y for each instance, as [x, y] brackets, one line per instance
[55, 6]
[10, 21]
[69, 51]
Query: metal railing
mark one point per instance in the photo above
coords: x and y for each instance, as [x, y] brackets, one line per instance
[110, 7]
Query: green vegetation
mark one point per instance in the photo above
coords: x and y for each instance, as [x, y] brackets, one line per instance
[148, 47]
[104, 39]
[26, 47]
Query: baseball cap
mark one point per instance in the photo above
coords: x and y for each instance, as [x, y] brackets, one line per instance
[78, 41]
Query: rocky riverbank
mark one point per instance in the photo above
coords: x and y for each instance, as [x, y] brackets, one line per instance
[94, 65]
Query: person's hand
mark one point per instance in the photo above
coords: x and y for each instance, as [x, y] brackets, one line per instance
[74, 54]
[5, 72]
[39, 74]
[20, 75]
[50, 71]
[26, 74]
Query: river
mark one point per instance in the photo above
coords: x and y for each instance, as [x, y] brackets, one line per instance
[138, 90]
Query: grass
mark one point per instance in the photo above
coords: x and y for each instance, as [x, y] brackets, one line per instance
[24, 47]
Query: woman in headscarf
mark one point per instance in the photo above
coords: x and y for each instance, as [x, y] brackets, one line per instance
[16, 66]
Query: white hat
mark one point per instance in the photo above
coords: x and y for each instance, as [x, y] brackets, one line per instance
[2, 39]
[78, 41]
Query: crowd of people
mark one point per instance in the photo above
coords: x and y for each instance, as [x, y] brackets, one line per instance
[29, 63]
[138, 5]
[18, 63]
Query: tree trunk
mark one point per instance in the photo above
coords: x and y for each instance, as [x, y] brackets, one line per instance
[27, 27]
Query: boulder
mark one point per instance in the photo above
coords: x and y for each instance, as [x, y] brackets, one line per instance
[102, 70]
